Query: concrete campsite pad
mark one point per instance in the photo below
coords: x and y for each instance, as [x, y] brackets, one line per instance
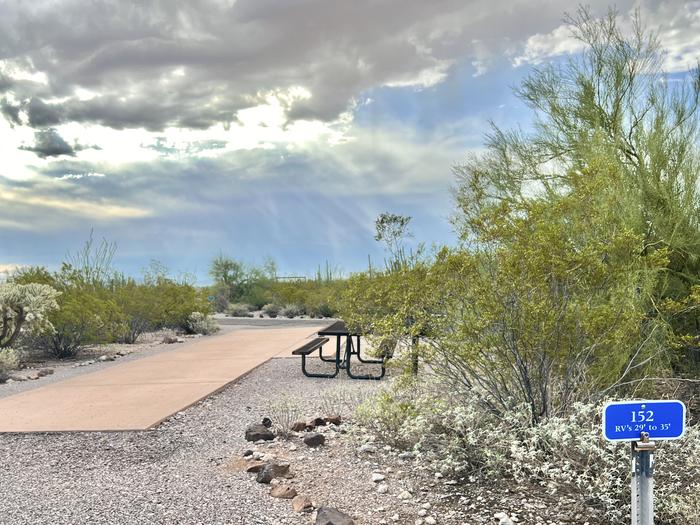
[139, 394]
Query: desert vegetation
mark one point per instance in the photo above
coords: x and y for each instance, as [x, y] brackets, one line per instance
[575, 280]
[87, 302]
[240, 289]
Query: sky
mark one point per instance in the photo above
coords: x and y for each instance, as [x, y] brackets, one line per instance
[182, 129]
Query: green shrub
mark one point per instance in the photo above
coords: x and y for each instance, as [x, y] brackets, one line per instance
[271, 310]
[200, 323]
[83, 318]
[240, 310]
[292, 310]
[176, 302]
[141, 307]
[256, 294]
[321, 310]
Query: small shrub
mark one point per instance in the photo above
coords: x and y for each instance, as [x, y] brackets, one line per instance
[271, 310]
[9, 360]
[284, 413]
[292, 310]
[239, 310]
[343, 400]
[457, 435]
[221, 296]
[325, 310]
[199, 323]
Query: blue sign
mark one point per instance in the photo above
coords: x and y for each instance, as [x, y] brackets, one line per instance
[626, 420]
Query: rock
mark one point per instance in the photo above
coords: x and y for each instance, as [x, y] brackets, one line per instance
[425, 506]
[422, 512]
[406, 455]
[33, 376]
[404, 495]
[430, 520]
[333, 420]
[314, 439]
[298, 426]
[267, 422]
[315, 422]
[258, 432]
[382, 488]
[254, 468]
[247, 453]
[302, 504]
[271, 471]
[169, 339]
[45, 372]
[330, 516]
[503, 518]
[283, 492]
[367, 449]
[105, 358]
[376, 477]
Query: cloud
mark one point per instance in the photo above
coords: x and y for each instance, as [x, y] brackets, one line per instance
[48, 143]
[541, 47]
[676, 22]
[195, 63]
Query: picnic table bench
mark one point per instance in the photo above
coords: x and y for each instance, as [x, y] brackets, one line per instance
[343, 353]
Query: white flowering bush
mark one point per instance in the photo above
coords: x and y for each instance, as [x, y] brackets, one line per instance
[24, 306]
[456, 435]
[199, 323]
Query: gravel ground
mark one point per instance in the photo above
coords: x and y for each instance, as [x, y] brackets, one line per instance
[177, 473]
[190, 469]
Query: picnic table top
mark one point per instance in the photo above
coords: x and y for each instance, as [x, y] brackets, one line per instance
[337, 328]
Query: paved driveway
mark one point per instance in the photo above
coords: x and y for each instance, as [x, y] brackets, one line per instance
[139, 394]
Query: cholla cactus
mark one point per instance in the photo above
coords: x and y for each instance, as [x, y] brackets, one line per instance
[199, 323]
[24, 306]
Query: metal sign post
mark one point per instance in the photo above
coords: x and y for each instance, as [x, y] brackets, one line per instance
[637, 422]
[643, 481]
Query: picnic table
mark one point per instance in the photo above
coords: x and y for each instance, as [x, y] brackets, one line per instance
[347, 345]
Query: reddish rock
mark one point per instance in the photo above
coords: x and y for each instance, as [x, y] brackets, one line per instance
[302, 504]
[333, 420]
[283, 492]
[299, 426]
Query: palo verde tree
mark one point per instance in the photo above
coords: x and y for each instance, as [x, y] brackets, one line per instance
[388, 305]
[612, 99]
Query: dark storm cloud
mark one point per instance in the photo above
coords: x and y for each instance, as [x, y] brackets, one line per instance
[232, 53]
[5, 83]
[10, 112]
[42, 114]
[48, 143]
